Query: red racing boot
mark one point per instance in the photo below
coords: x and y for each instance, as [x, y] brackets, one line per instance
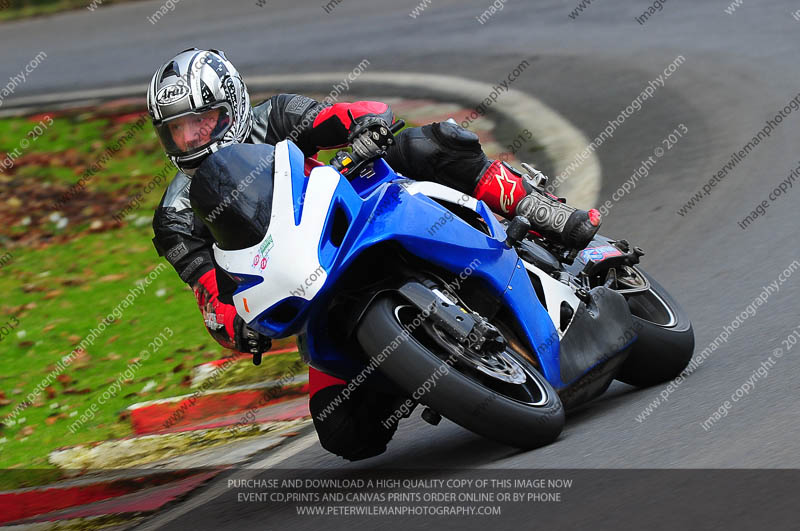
[510, 193]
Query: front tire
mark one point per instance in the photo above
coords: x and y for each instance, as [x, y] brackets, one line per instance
[666, 339]
[524, 415]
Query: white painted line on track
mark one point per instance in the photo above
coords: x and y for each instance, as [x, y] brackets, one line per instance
[248, 471]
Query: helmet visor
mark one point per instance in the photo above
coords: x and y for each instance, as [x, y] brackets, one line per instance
[191, 132]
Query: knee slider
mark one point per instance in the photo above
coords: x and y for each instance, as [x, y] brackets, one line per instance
[443, 152]
[460, 159]
[453, 137]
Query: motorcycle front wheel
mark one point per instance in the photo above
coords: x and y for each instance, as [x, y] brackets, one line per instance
[499, 395]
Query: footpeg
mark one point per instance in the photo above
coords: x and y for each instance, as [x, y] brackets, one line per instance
[517, 230]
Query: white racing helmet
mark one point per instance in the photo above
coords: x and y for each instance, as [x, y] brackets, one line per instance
[198, 103]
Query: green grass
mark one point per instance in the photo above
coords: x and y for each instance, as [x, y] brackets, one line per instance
[55, 160]
[59, 292]
[274, 367]
[19, 9]
[58, 295]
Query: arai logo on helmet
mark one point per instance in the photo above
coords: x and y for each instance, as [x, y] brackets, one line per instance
[171, 93]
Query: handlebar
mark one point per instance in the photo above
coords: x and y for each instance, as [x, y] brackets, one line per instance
[397, 126]
[346, 163]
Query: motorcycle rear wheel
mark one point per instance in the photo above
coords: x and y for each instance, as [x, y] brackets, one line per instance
[666, 339]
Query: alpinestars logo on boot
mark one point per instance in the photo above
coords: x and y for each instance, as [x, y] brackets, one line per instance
[505, 200]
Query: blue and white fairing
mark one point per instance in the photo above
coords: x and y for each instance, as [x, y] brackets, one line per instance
[302, 256]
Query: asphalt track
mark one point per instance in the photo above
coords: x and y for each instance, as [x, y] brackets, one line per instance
[739, 70]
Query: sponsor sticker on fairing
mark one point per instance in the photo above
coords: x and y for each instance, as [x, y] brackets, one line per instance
[598, 254]
[267, 246]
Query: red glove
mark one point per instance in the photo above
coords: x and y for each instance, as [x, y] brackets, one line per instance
[222, 321]
[218, 317]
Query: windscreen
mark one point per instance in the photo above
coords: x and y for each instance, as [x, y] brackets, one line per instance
[231, 193]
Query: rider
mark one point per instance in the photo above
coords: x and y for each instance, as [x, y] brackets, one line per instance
[199, 103]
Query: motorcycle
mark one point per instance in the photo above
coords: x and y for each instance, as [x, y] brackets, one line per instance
[419, 289]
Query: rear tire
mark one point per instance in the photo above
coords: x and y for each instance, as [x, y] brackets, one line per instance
[456, 393]
[666, 339]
